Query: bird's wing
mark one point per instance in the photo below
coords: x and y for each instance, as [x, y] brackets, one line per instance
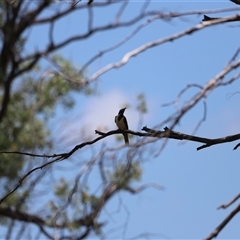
[125, 122]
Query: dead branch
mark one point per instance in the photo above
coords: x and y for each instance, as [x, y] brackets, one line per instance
[182, 136]
[143, 187]
[229, 203]
[223, 223]
[158, 42]
[211, 85]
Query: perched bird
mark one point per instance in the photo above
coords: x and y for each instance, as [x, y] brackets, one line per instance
[207, 18]
[122, 124]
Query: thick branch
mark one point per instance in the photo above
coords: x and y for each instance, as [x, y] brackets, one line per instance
[30, 218]
[21, 216]
[182, 136]
[12, 31]
[167, 133]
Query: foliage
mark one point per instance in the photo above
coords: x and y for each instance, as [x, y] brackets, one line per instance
[33, 102]
[124, 175]
[142, 105]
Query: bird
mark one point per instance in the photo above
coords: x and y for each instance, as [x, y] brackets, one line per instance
[122, 124]
[207, 18]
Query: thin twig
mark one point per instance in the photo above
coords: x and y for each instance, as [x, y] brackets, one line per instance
[223, 223]
[229, 203]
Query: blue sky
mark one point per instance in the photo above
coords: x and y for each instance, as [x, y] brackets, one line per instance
[195, 182]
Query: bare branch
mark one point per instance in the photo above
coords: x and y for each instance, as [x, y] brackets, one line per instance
[229, 203]
[234, 56]
[181, 136]
[143, 187]
[167, 133]
[117, 45]
[152, 44]
[120, 12]
[223, 223]
[185, 89]
[90, 19]
[210, 86]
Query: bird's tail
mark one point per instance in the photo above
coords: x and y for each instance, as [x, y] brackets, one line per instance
[125, 135]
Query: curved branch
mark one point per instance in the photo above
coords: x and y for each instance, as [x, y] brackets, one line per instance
[117, 45]
[229, 203]
[217, 81]
[53, 46]
[158, 42]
